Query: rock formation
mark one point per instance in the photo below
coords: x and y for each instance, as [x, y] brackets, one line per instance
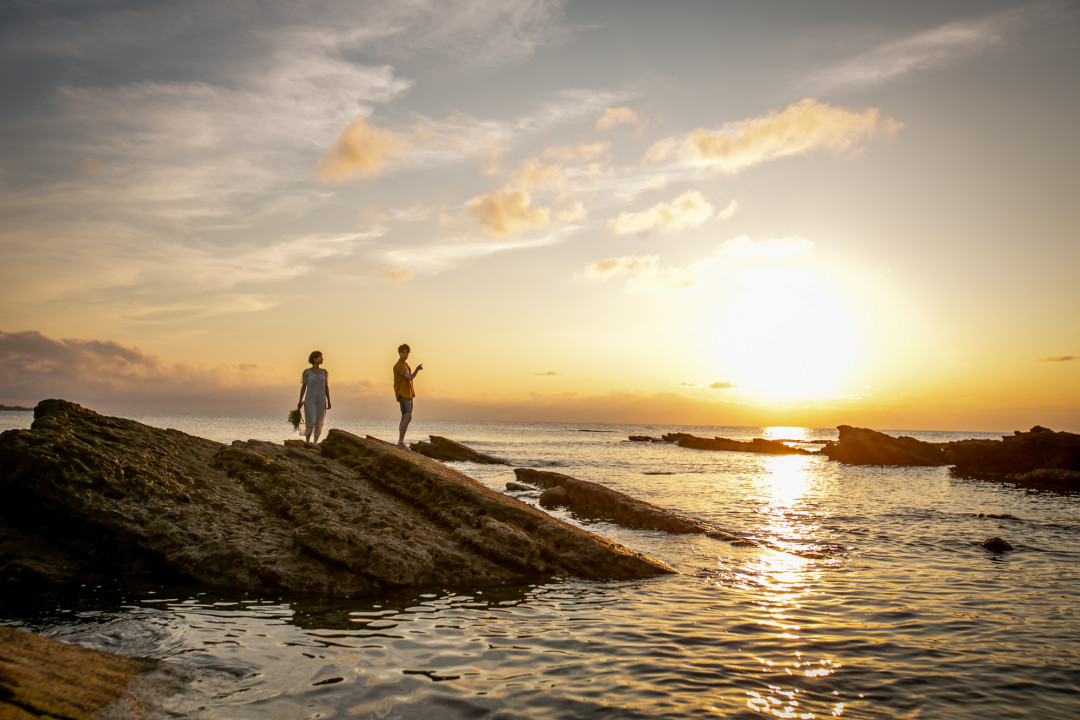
[757, 445]
[860, 446]
[591, 500]
[449, 451]
[89, 498]
[44, 678]
[1038, 458]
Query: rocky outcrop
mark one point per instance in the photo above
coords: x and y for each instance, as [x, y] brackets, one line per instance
[757, 445]
[594, 501]
[44, 678]
[1039, 458]
[449, 451]
[860, 446]
[89, 498]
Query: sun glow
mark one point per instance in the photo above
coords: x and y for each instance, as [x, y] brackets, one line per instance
[786, 334]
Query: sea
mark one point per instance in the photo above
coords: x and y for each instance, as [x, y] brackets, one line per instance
[871, 599]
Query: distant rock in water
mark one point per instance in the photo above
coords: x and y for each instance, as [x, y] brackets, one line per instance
[860, 446]
[1039, 458]
[449, 451]
[95, 499]
[757, 445]
[996, 545]
[592, 500]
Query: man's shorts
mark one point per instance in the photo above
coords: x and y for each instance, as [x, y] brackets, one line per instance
[405, 403]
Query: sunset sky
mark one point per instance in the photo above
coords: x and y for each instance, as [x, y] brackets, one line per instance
[721, 213]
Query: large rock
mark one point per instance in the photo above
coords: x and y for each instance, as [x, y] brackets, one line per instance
[89, 498]
[592, 500]
[860, 446]
[42, 678]
[449, 451]
[1038, 458]
[757, 445]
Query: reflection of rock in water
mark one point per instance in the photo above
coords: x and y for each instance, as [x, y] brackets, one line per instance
[94, 498]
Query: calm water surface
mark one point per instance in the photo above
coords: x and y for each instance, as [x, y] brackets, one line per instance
[873, 600]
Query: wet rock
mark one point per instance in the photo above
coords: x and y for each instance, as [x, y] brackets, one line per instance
[44, 678]
[757, 445]
[592, 500]
[449, 451]
[1039, 458]
[996, 544]
[512, 486]
[860, 446]
[90, 498]
[645, 439]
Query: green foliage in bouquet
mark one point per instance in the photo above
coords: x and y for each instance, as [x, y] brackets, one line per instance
[294, 419]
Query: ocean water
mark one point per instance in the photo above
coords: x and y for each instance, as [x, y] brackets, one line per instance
[873, 600]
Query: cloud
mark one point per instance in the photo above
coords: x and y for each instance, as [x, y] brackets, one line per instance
[801, 128]
[507, 213]
[1057, 359]
[723, 386]
[689, 210]
[728, 212]
[643, 273]
[939, 47]
[574, 213]
[549, 373]
[534, 175]
[578, 154]
[613, 117]
[398, 274]
[109, 376]
[360, 150]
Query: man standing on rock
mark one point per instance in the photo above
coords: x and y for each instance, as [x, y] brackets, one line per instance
[403, 389]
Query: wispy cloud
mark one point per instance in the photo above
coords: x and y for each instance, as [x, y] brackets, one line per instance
[938, 47]
[614, 117]
[800, 128]
[360, 150]
[1057, 359]
[689, 210]
[643, 273]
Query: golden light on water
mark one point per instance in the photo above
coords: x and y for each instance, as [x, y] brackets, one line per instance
[785, 579]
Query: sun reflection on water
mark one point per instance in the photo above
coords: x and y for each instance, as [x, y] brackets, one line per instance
[784, 578]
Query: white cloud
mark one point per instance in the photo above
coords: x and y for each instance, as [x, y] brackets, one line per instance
[689, 210]
[940, 46]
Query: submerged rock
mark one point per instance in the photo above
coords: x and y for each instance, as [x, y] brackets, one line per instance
[449, 451]
[592, 500]
[90, 498]
[860, 446]
[1039, 458]
[757, 445]
[996, 544]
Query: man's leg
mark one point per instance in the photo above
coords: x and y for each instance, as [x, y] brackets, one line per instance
[406, 418]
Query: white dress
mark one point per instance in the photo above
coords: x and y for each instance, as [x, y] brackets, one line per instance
[314, 399]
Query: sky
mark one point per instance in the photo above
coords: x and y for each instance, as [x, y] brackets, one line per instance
[701, 213]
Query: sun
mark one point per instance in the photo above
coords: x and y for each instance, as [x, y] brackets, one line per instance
[786, 334]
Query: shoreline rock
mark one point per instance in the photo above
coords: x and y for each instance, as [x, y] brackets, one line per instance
[1039, 458]
[594, 501]
[861, 446]
[757, 445]
[45, 678]
[444, 450]
[90, 498]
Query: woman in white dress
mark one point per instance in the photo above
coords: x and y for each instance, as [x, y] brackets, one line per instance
[314, 396]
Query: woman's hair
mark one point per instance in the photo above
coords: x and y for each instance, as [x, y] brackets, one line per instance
[404, 347]
[314, 354]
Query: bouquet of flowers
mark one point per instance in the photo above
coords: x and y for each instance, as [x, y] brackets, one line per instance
[295, 418]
